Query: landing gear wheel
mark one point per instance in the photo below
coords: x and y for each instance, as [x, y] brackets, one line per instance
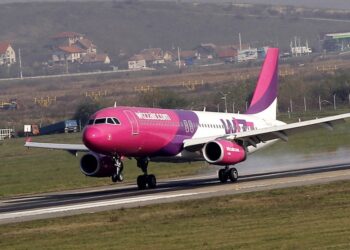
[114, 178]
[117, 177]
[151, 181]
[233, 174]
[142, 182]
[223, 177]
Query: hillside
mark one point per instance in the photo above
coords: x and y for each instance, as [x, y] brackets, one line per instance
[335, 4]
[131, 26]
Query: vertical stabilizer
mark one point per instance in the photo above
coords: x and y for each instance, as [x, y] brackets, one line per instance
[264, 102]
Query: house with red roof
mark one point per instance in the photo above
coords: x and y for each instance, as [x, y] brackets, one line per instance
[87, 45]
[147, 58]
[75, 47]
[66, 38]
[92, 58]
[227, 54]
[7, 54]
[68, 54]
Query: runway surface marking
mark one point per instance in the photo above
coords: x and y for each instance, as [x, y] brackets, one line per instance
[89, 205]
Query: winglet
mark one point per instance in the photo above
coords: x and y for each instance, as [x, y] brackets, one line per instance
[264, 102]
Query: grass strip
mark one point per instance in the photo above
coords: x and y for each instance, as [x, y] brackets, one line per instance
[312, 217]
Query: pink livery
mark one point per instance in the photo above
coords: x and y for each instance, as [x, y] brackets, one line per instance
[152, 134]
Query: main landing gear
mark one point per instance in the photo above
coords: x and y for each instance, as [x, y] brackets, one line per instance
[118, 175]
[146, 179]
[228, 173]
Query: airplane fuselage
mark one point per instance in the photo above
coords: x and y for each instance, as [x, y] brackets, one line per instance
[157, 133]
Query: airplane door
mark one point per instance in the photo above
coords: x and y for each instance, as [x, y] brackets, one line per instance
[133, 121]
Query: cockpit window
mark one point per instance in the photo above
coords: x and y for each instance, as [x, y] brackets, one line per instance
[116, 121]
[110, 121]
[100, 121]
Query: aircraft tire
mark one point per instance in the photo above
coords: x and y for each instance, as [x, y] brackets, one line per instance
[223, 177]
[142, 182]
[233, 174]
[120, 177]
[151, 181]
[114, 178]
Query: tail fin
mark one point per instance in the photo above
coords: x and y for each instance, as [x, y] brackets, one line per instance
[264, 102]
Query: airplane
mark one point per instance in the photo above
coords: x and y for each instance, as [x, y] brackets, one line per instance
[166, 135]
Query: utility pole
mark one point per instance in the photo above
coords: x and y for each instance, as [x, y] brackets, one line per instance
[319, 102]
[240, 41]
[224, 97]
[304, 104]
[334, 104]
[20, 64]
[178, 57]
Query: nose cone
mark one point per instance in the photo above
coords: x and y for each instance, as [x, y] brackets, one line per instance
[93, 138]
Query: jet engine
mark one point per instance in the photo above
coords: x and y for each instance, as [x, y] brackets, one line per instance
[223, 152]
[95, 165]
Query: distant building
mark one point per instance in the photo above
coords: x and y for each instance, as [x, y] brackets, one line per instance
[137, 62]
[296, 49]
[68, 54]
[156, 52]
[188, 56]
[75, 47]
[228, 54]
[66, 39]
[92, 58]
[206, 50]
[87, 45]
[247, 55]
[147, 58]
[7, 54]
[169, 56]
[336, 41]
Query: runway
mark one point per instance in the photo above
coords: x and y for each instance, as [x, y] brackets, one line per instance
[73, 202]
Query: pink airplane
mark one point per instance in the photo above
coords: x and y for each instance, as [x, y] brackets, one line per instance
[152, 134]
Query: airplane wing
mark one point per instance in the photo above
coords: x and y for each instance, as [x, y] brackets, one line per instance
[71, 148]
[253, 137]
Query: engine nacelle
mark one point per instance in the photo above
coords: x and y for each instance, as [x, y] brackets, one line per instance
[95, 165]
[223, 152]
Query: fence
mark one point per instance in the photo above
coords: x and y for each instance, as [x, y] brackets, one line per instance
[6, 133]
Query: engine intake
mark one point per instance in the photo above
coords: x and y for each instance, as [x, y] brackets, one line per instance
[223, 152]
[95, 165]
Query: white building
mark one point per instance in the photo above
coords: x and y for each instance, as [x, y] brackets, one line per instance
[247, 55]
[302, 50]
[137, 62]
[68, 53]
[7, 54]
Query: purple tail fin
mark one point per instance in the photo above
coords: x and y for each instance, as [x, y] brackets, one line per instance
[264, 102]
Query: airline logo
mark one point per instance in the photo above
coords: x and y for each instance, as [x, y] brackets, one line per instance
[153, 116]
[231, 149]
[237, 125]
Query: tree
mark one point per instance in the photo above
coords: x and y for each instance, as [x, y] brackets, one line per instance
[85, 110]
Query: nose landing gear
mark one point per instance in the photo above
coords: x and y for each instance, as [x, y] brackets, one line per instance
[118, 175]
[145, 180]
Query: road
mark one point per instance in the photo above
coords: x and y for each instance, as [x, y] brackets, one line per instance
[73, 202]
